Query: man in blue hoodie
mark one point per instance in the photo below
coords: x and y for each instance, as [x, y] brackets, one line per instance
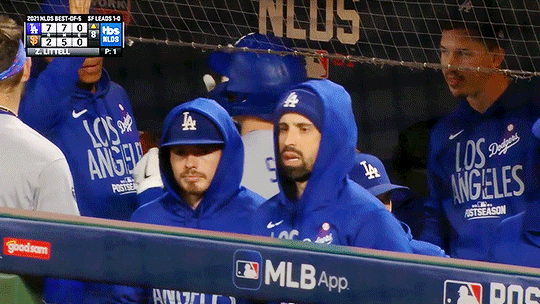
[201, 159]
[370, 173]
[74, 104]
[315, 141]
[483, 164]
[517, 239]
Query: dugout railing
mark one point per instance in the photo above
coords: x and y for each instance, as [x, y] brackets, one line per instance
[81, 248]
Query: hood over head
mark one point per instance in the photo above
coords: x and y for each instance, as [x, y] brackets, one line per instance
[197, 122]
[328, 106]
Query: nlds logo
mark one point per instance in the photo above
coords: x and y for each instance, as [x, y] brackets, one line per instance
[111, 34]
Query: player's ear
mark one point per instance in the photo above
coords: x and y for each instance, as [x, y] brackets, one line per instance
[498, 57]
[26, 70]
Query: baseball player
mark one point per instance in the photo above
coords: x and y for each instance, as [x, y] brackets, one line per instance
[35, 173]
[483, 163]
[315, 139]
[252, 87]
[369, 172]
[201, 161]
[250, 95]
[516, 240]
[74, 103]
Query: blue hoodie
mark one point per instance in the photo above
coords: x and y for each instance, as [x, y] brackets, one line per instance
[227, 206]
[96, 132]
[482, 168]
[517, 240]
[98, 136]
[333, 209]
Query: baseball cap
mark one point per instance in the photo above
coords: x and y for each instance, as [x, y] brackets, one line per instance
[369, 172]
[192, 128]
[483, 16]
[304, 102]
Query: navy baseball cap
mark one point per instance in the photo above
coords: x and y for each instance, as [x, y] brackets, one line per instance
[369, 172]
[192, 128]
[304, 102]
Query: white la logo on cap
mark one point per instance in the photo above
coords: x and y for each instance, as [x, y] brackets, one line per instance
[371, 172]
[291, 101]
[189, 122]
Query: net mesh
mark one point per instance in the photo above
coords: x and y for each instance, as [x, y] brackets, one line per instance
[381, 32]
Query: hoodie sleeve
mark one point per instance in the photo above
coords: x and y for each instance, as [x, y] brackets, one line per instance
[434, 218]
[44, 100]
[382, 231]
[129, 295]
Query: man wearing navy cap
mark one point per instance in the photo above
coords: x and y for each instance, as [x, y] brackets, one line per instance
[201, 159]
[369, 172]
[517, 239]
[314, 142]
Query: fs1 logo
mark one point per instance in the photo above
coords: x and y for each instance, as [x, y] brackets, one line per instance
[247, 269]
[458, 292]
[111, 34]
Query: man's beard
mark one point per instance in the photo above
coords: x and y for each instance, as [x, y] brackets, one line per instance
[296, 174]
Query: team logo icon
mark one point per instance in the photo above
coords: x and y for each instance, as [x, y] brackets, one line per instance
[247, 269]
[291, 101]
[371, 171]
[34, 40]
[459, 292]
[324, 236]
[33, 28]
[189, 123]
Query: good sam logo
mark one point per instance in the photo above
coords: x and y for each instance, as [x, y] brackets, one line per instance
[27, 248]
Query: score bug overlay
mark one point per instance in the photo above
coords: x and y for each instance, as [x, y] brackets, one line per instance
[74, 35]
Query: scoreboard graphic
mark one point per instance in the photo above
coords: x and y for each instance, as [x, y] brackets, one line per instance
[74, 35]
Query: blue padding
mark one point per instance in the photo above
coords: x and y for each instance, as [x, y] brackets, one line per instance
[233, 265]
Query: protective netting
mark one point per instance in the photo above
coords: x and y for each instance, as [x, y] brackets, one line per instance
[394, 32]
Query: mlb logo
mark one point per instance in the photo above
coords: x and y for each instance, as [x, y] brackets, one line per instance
[459, 292]
[247, 269]
[111, 34]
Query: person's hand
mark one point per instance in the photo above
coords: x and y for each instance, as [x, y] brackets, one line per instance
[79, 6]
[209, 82]
[146, 173]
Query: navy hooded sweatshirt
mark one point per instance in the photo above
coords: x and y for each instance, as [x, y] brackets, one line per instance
[482, 168]
[227, 206]
[333, 209]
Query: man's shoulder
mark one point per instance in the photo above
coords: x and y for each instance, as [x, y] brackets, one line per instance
[149, 211]
[356, 200]
[270, 205]
[248, 200]
[32, 142]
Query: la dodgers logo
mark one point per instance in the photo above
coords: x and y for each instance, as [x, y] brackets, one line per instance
[189, 123]
[291, 101]
[371, 172]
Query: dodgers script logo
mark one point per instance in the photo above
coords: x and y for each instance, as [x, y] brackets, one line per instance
[247, 269]
[459, 292]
